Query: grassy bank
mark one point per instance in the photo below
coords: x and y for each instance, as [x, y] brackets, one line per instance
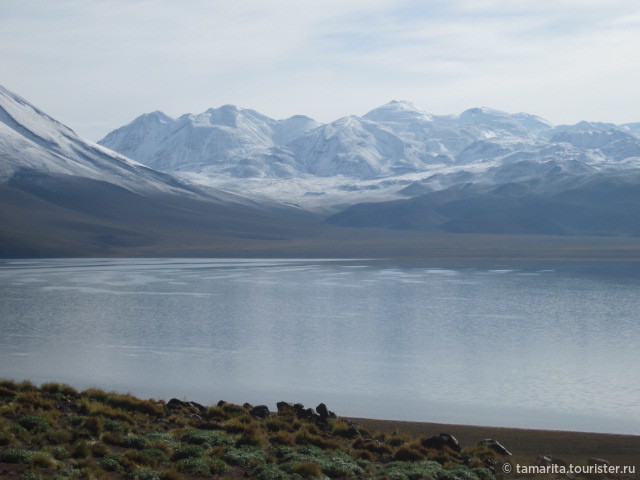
[56, 432]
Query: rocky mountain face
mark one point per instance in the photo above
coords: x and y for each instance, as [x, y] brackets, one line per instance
[32, 142]
[61, 195]
[394, 139]
[394, 151]
[232, 175]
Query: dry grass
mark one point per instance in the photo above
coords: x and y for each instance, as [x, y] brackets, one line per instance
[59, 434]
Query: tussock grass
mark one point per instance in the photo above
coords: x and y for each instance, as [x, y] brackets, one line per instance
[100, 435]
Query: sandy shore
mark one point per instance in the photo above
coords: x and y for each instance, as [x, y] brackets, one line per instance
[526, 445]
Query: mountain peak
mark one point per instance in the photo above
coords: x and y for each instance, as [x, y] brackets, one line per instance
[156, 116]
[478, 112]
[397, 111]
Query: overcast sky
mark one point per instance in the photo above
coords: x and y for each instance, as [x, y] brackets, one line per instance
[96, 65]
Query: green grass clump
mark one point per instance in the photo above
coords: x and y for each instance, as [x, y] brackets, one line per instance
[201, 466]
[43, 460]
[59, 452]
[111, 463]
[67, 472]
[34, 423]
[30, 476]
[112, 425]
[188, 451]
[245, 456]
[77, 420]
[198, 466]
[134, 441]
[207, 438]
[270, 471]
[332, 464]
[15, 455]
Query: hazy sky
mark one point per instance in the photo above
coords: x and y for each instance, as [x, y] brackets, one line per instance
[95, 65]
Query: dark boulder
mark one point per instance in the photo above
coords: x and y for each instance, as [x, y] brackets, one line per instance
[197, 406]
[439, 442]
[322, 411]
[284, 407]
[495, 446]
[221, 403]
[175, 403]
[310, 414]
[260, 411]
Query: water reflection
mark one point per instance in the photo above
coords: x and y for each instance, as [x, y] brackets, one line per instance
[540, 347]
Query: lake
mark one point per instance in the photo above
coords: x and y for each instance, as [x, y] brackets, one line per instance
[537, 346]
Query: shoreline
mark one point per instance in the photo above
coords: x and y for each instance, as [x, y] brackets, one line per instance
[568, 445]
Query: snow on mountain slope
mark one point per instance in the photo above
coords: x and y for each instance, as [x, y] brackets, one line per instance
[390, 151]
[228, 140]
[495, 122]
[30, 140]
[356, 148]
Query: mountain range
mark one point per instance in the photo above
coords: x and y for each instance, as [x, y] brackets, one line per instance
[231, 181]
[482, 171]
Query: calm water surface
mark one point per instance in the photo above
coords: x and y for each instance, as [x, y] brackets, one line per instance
[535, 347]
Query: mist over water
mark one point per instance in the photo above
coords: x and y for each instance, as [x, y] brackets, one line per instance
[537, 347]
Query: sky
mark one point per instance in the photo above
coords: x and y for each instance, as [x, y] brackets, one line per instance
[96, 65]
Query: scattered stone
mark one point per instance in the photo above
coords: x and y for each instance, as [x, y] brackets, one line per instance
[495, 446]
[200, 408]
[284, 407]
[322, 411]
[438, 442]
[175, 403]
[260, 411]
[310, 414]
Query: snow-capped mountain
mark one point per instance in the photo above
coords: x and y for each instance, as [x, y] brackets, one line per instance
[370, 158]
[227, 140]
[397, 167]
[31, 141]
[61, 195]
